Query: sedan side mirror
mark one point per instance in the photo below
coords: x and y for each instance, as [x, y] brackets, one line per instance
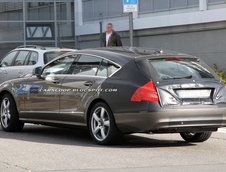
[37, 71]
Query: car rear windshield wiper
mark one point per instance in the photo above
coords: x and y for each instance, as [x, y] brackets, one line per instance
[186, 77]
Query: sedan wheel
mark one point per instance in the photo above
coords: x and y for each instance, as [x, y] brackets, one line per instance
[9, 115]
[102, 125]
[5, 112]
[196, 137]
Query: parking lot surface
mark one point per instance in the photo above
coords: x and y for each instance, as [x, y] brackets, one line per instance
[40, 148]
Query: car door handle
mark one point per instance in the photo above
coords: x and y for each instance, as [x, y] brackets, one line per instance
[53, 80]
[88, 83]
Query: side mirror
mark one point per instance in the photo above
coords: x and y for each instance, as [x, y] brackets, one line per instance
[37, 71]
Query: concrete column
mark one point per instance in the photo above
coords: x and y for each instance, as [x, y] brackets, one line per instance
[203, 5]
[55, 24]
[78, 17]
[24, 22]
[78, 12]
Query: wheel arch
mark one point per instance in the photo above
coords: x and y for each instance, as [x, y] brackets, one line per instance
[95, 101]
[3, 92]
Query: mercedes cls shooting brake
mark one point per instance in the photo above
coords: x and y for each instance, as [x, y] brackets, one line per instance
[116, 91]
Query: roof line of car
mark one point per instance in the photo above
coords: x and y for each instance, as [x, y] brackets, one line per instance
[159, 56]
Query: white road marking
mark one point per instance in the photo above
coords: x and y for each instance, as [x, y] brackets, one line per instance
[222, 130]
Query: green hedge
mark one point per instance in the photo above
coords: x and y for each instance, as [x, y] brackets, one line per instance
[220, 73]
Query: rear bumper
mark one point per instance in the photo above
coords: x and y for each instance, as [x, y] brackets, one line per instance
[171, 120]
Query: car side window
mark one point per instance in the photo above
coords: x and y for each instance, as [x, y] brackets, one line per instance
[21, 57]
[107, 68]
[112, 68]
[86, 65]
[8, 59]
[103, 69]
[33, 59]
[59, 66]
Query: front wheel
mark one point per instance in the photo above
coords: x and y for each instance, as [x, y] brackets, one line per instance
[196, 137]
[9, 114]
[102, 125]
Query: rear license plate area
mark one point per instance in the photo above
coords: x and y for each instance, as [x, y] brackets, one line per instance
[194, 94]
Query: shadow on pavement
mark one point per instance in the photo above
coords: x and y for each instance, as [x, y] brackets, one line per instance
[81, 137]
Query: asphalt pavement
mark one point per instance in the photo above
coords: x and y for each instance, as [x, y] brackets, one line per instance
[50, 149]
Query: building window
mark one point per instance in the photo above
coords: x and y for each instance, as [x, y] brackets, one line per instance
[38, 4]
[164, 5]
[216, 1]
[37, 31]
[98, 9]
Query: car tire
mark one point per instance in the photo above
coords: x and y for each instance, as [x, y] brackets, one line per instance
[196, 137]
[102, 125]
[9, 115]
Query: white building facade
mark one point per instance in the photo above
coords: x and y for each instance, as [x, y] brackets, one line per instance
[197, 27]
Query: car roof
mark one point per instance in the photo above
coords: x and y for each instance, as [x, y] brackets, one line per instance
[47, 49]
[123, 55]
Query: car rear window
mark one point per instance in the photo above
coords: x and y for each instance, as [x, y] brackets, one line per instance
[52, 55]
[176, 68]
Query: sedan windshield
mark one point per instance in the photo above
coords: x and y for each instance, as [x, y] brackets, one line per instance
[178, 68]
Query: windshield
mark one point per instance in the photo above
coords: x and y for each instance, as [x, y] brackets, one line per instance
[49, 56]
[178, 68]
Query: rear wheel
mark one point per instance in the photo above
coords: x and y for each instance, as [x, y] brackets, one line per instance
[102, 125]
[9, 115]
[196, 137]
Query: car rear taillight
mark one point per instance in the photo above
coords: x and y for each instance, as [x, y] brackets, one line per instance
[147, 92]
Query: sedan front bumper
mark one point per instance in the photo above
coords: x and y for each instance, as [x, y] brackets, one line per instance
[174, 119]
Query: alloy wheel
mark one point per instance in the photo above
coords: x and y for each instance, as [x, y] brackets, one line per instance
[5, 112]
[100, 123]
[189, 134]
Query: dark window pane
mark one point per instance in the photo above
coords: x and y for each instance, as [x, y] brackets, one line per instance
[11, 31]
[112, 68]
[193, 2]
[172, 69]
[65, 10]
[60, 66]
[51, 55]
[161, 5]
[40, 11]
[99, 8]
[21, 57]
[11, 11]
[146, 5]
[103, 70]
[87, 65]
[178, 3]
[87, 9]
[33, 58]
[66, 30]
[115, 7]
[8, 59]
[215, 1]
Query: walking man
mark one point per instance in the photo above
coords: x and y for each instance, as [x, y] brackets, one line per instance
[110, 37]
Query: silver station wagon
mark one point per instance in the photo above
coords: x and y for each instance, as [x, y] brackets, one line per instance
[22, 60]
